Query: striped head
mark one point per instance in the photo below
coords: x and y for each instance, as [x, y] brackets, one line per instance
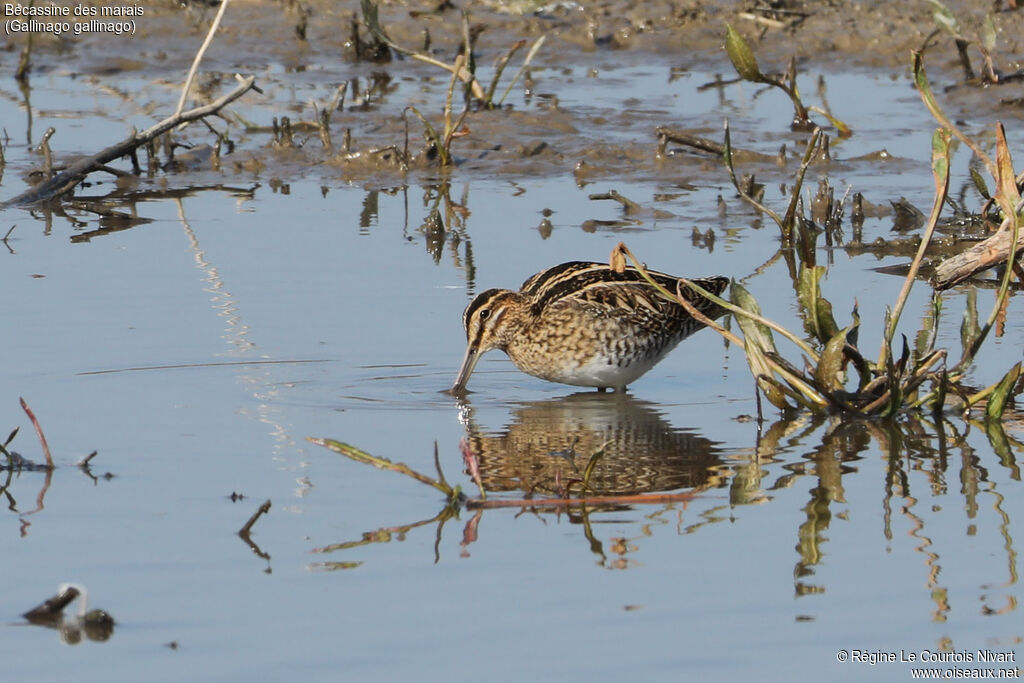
[485, 320]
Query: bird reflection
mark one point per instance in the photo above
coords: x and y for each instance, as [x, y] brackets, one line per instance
[549, 444]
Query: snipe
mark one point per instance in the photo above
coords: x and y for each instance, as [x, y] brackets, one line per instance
[584, 324]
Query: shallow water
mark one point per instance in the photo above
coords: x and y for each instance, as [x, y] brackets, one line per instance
[197, 351]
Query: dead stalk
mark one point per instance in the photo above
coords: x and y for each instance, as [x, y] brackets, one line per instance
[199, 57]
[39, 431]
[260, 511]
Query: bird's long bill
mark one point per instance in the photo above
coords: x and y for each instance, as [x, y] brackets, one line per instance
[468, 363]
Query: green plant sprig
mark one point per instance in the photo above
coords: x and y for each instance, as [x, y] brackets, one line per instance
[745, 63]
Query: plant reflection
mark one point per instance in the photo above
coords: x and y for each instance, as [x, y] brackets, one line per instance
[397, 533]
[13, 464]
[910, 447]
[590, 457]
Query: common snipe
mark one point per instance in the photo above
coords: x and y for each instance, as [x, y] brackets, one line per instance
[584, 324]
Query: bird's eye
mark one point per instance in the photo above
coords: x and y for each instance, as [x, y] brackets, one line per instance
[484, 314]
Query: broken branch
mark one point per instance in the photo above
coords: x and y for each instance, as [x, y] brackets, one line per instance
[76, 173]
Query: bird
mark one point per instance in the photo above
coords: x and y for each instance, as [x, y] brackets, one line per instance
[584, 323]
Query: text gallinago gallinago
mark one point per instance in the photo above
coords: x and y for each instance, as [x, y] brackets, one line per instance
[584, 324]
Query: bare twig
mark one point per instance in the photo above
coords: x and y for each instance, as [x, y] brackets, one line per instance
[74, 174]
[261, 510]
[526, 63]
[39, 431]
[199, 57]
[84, 462]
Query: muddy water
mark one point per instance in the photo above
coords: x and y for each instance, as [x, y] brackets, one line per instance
[244, 309]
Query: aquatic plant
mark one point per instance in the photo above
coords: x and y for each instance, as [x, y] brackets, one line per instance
[745, 63]
[15, 461]
[984, 39]
[897, 382]
[463, 69]
[441, 143]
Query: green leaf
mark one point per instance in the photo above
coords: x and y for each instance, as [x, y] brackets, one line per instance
[969, 328]
[925, 88]
[893, 386]
[851, 336]
[1007, 193]
[818, 310]
[1002, 394]
[901, 366]
[989, 36]
[752, 329]
[940, 156]
[979, 183]
[757, 342]
[945, 18]
[742, 57]
[840, 125]
[829, 374]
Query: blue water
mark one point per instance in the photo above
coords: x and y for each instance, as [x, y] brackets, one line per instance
[196, 352]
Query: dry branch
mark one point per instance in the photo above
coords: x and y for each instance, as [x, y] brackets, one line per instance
[982, 256]
[76, 173]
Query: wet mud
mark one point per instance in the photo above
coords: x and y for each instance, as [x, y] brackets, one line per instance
[301, 52]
